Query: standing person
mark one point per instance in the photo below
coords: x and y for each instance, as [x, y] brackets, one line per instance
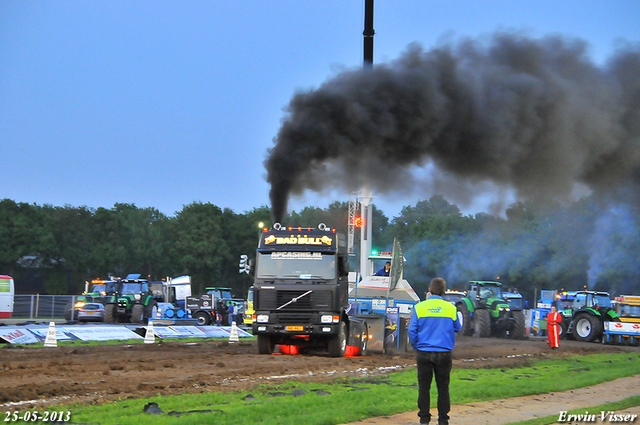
[432, 329]
[232, 313]
[554, 319]
[222, 309]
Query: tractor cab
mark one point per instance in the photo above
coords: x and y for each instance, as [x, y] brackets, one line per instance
[593, 300]
[485, 292]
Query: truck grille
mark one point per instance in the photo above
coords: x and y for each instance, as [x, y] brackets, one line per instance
[316, 300]
[290, 319]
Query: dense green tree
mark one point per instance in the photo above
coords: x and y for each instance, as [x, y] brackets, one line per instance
[539, 245]
[199, 246]
[20, 232]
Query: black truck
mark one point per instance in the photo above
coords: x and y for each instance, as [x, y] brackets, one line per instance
[300, 292]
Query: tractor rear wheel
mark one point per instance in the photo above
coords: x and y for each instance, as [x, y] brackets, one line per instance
[150, 311]
[110, 313]
[587, 328]
[518, 330]
[465, 319]
[562, 330]
[482, 321]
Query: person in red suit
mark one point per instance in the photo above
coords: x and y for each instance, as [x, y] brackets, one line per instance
[553, 327]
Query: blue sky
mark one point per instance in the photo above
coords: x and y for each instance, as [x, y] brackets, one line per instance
[165, 103]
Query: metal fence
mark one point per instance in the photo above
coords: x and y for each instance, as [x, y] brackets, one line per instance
[42, 306]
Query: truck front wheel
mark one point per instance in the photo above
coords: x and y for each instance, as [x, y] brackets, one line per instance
[203, 318]
[338, 344]
[265, 344]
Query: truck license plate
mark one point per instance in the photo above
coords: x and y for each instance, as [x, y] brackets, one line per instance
[293, 328]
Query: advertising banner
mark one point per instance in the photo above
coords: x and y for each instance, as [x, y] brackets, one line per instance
[41, 332]
[391, 325]
[188, 331]
[623, 328]
[101, 333]
[16, 335]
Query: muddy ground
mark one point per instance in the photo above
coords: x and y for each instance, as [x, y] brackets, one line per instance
[95, 374]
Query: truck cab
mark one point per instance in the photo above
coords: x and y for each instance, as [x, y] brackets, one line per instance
[300, 291]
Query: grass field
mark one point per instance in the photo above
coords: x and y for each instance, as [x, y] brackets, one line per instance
[348, 400]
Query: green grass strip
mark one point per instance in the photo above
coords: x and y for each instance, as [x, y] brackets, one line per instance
[615, 406]
[348, 400]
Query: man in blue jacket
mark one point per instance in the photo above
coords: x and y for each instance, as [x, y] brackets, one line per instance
[432, 329]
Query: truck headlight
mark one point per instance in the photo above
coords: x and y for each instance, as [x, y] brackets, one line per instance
[327, 318]
[262, 318]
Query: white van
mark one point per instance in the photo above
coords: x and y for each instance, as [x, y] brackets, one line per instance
[6, 296]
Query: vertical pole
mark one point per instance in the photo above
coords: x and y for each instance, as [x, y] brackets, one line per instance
[368, 33]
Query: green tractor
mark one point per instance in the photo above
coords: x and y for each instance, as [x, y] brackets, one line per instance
[135, 301]
[584, 320]
[485, 312]
[99, 291]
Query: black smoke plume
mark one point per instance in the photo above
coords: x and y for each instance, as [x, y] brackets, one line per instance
[536, 116]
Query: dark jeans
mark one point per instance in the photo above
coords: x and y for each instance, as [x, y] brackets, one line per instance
[432, 363]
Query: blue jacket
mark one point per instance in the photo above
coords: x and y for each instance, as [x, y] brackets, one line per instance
[433, 325]
[381, 272]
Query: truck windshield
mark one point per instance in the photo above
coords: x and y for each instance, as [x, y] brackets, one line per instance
[296, 265]
[629, 310]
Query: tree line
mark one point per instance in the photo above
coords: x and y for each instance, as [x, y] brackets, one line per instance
[535, 246]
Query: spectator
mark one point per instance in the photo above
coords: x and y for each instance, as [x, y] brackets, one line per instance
[432, 329]
[554, 319]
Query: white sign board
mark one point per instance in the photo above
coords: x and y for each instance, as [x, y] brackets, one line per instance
[188, 331]
[623, 328]
[221, 332]
[102, 333]
[16, 335]
[164, 332]
[42, 331]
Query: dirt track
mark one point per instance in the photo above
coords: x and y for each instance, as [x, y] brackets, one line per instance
[95, 374]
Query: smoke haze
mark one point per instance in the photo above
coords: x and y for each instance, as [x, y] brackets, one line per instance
[533, 115]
